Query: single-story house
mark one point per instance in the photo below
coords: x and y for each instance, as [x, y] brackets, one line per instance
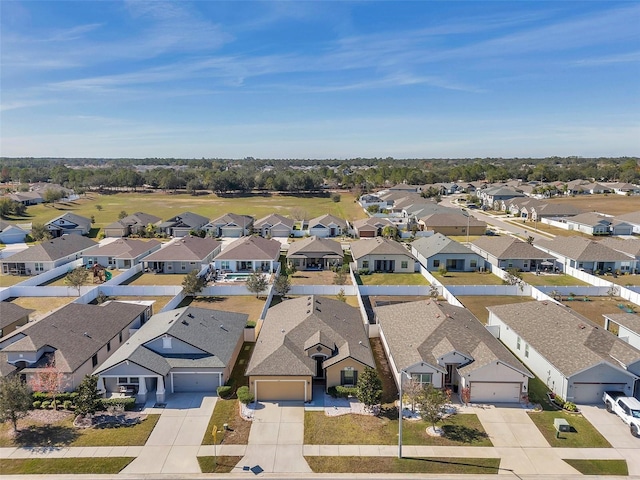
[183, 224]
[575, 358]
[12, 316]
[306, 339]
[249, 254]
[507, 252]
[594, 224]
[133, 224]
[439, 251]
[10, 233]
[68, 223]
[382, 255]
[47, 255]
[182, 255]
[230, 225]
[446, 346]
[122, 253]
[371, 227]
[630, 246]
[26, 198]
[453, 224]
[315, 253]
[327, 226]
[588, 255]
[632, 218]
[76, 339]
[628, 325]
[274, 225]
[184, 350]
[625, 188]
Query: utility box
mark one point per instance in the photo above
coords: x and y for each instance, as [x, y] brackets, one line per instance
[561, 425]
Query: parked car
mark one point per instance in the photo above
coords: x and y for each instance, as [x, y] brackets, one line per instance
[627, 408]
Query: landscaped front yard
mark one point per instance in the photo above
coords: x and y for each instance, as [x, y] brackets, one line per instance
[468, 278]
[392, 279]
[583, 434]
[478, 304]
[554, 280]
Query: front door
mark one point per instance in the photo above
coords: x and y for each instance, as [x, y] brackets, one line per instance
[319, 369]
[448, 378]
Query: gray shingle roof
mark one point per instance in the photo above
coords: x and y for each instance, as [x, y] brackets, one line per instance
[630, 246]
[122, 248]
[185, 220]
[567, 340]
[227, 218]
[139, 218]
[289, 326]
[632, 217]
[51, 250]
[580, 248]
[10, 312]
[438, 243]
[371, 223]
[215, 332]
[185, 249]
[315, 245]
[451, 220]
[378, 246]
[73, 218]
[628, 320]
[75, 331]
[274, 219]
[426, 330]
[251, 248]
[509, 248]
[326, 220]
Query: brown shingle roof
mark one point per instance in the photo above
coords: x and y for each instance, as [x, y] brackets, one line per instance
[274, 219]
[51, 250]
[316, 245]
[251, 248]
[122, 248]
[583, 249]
[505, 247]
[185, 249]
[378, 246]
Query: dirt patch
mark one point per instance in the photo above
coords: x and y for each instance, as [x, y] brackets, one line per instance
[389, 389]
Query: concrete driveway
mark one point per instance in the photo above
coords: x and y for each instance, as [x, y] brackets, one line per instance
[173, 445]
[276, 439]
[509, 426]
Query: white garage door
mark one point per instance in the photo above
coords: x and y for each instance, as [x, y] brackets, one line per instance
[494, 392]
[195, 382]
[587, 393]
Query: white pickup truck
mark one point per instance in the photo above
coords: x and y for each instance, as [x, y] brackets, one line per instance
[627, 408]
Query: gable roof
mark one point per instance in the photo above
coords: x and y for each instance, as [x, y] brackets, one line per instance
[630, 246]
[425, 330]
[439, 244]
[251, 248]
[75, 331]
[138, 218]
[122, 248]
[590, 219]
[54, 249]
[315, 244]
[372, 223]
[506, 247]
[632, 217]
[274, 219]
[451, 220]
[629, 320]
[11, 312]
[215, 332]
[576, 342]
[185, 220]
[580, 248]
[227, 218]
[326, 220]
[185, 249]
[378, 246]
[6, 226]
[293, 325]
[72, 218]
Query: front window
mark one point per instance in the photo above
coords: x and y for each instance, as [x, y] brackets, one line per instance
[404, 264]
[422, 378]
[39, 267]
[473, 263]
[94, 360]
[183, 265]
[365, 264]
[225, 265]
[349, 376]
[436, 263]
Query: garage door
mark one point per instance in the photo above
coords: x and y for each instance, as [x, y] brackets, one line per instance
[493, 392]
[367, 234]
[279, 390]
[587, 393]
[195, 382]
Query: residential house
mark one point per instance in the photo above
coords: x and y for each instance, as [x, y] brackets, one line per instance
[12, 316]
[249, 254]
[230, 225]
[446, 346]
[184, 350]
[26, 198]
[369, 199]
[552, 210]
[10, 233]
[493, 196]
[274, 225]
[122, 253]
[439, 251]
[315, 253]
[595, 224]
[308, 339]
[75, 339]
[632, 218]
[382, 255]
[627, 326]
[134, 224]
[507, 252]
[183, 224]
[68, 223]
[624, 188]
[183, 255]
[453, 224]
[588, 255]
[371, 227]
[46, 255]
[574, 358]
[630, 246]
[327, 226]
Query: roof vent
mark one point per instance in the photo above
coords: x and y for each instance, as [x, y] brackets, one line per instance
[184, 322]
[282, 330]
[582, 326]
[86, 335]
[190, 315]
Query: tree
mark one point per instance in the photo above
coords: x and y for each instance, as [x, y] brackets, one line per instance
[88, 396]
[193, 284]
[373, 209]
[389, 231]
[15, 400]
[257, 283]
[514, 277]
[341, 296]
[49, 379]
[432, 404]
[122, 214]
[76, 278]
[282, 285]
[150, 230]
[340, 278]
[39, 232]
[412, 390]
[98, 207]
[6, 207]
[52, 195]
[299, 213]
[369, 388]
[335, 197]
[443, 271]
[530, 240]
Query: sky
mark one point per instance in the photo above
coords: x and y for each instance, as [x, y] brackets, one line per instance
[329, 79]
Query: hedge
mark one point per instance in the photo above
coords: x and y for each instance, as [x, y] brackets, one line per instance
[128, 402]
[224, 391]
[244, 395]
[342, 392]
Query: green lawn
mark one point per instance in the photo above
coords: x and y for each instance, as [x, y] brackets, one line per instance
[63, 466]
[468, 278]
[9, 280]
[600, 467]
[460, 430]
[625, 280]
[218, 464]
[433, 465]
[150, 279]
[583, 434]
[560, 280]
[393, 279]
[538, 394]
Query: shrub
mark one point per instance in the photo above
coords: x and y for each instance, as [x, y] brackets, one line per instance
[37, 404]
[558, 400]
[224, 391]
[127, 403]
[332, 391]
[335, 197]
[251, 324]
[244, 395]
[364, 271]
[44, 405]
[345, 392]
[67, 404]
[54, 404]
[570, 406]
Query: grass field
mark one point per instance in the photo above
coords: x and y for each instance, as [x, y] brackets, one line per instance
[609, 204]
[625, 280]
[8, 280]
[429, 465]
[600, 467]
[478, 304]
[150, 279]
[250, 305]
[166, 205]
[560, 280]
[583, 434]
[392, 279]
[63, 466]
[468, 278]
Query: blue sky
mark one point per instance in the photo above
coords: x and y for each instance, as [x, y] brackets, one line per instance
[327, 79]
